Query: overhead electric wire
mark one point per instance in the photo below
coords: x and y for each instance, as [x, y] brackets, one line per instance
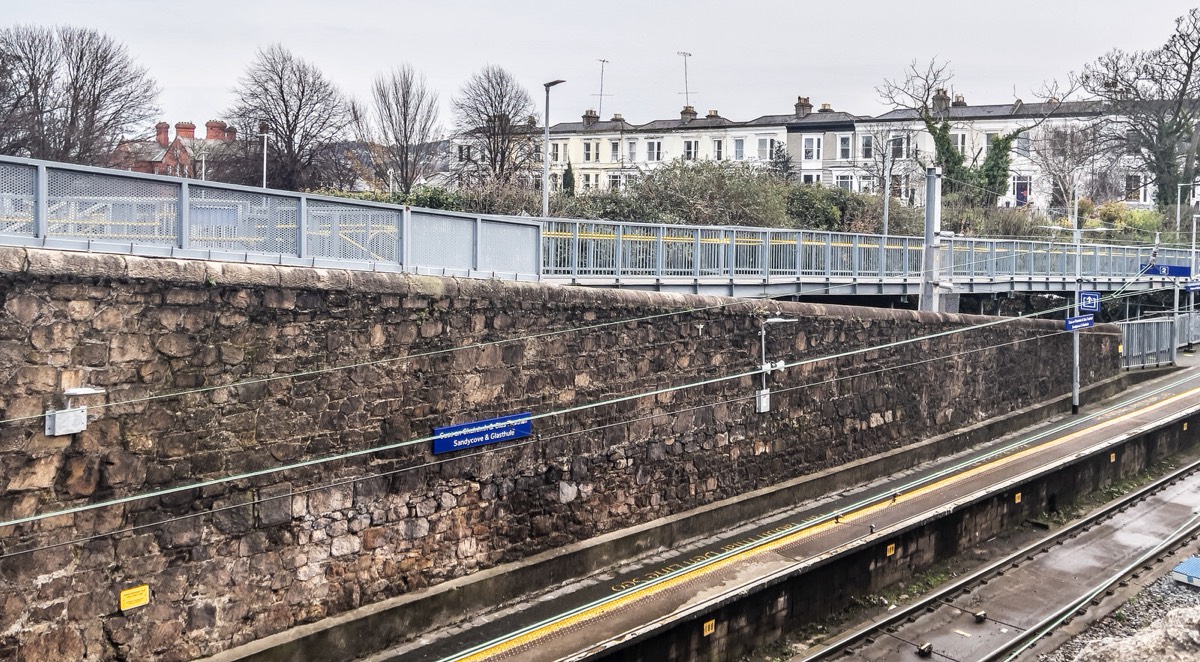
[559, 412]
[507, 447]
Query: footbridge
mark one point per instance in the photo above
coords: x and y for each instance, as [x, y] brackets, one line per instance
[60, 206]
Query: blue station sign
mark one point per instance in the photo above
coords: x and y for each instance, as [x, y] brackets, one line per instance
[482, 433]
[1192, 286]
[1089, 302]
[1167, 270]
[1080, 322]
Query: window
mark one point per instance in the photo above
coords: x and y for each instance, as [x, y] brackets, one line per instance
[614, 181]
[959, 140]
[988, 139]
[690, 148]
[615, 151]
[766, 148]
[845, 151]
[1133, 188]
[866, 184]
[464, 152]
[1022, 144]
[653, 150]
[812, 148]
[812, 178]
[845, 182]
[586, 179]
[631, 150]
[554, 181]
[739, 149]
[867, 146]
[554, 152]
[587, 152]
[899, 147]
[718, 152]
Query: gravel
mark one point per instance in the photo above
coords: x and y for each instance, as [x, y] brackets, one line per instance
[1160, 623]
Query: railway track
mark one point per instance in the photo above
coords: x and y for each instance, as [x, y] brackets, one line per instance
[854, 644]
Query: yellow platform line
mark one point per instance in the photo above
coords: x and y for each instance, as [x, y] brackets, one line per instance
[806, 532]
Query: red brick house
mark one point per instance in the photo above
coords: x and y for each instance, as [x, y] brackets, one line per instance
[184, 156]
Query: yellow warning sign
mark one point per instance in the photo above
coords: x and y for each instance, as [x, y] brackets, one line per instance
[710, 627]
[1017, 499]
[891, 549]
[138, 596]
[1112, 457]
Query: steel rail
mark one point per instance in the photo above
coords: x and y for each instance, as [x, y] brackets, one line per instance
[843, 644]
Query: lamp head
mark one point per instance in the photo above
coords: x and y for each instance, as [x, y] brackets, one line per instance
[553, 83]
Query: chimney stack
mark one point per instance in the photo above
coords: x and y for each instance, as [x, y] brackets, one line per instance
[160, 134]
[941, 102]
[803, 107]
[590, 117]
[617, 118]
[214, 130]
[825, 108]
[687, 114]
[185, 130]
[959, 101]
[230, 133]
[712, 114]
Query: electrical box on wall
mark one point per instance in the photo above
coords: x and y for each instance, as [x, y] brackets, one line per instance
[66, 421]
[762, 401]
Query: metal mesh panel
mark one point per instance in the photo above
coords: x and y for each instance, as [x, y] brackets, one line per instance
[350, 232]
[242, 221]
[111, 208]
[508, 248]
[639, 250]
[679, 249]
[442, 241]
[16, 199]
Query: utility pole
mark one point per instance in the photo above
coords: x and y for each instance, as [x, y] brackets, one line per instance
[600, 105]
[1075, 313]
[933, 229]
[687, 97]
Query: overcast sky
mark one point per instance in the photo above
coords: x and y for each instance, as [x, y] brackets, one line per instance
[748, 58]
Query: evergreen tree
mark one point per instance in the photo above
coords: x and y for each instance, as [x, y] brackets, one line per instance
[568, 180]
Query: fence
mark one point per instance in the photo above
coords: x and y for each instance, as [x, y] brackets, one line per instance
[1149, 343]
[601, 249]
[80, 208]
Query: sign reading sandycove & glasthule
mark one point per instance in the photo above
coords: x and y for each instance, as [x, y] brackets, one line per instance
[481, 433]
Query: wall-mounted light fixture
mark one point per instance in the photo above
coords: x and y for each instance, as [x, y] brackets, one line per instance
[71, 419]
[762, 400]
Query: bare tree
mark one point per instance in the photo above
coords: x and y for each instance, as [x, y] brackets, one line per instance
[1074, 154]
[496, 130]
[69, 94]
[1153, 100]
[302, 111]
[401, 130]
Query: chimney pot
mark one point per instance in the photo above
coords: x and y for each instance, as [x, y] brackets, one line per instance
[826, 108]
[713, 113]
[617, 118]
[160, 133]
[959, 100]
[185, 130]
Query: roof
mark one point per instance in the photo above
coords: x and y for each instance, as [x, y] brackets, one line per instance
[1189, 567]
[1000, 111]
[698, 123]
[607, 126]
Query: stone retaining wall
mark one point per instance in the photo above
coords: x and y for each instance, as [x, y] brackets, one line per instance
[219, 369]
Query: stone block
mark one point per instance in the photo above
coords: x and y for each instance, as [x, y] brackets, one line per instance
[36, 474]
[275, 504]
[344, 545]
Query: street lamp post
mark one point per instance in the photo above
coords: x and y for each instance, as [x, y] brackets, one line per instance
[763, 397]
[1179, 202]
[546, 152]
[263, 132]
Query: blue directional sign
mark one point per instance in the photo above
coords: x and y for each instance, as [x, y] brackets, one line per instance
[1192, 287]
[1168, 270]
[1080, 322]
[481, 433]
[1089, 302]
